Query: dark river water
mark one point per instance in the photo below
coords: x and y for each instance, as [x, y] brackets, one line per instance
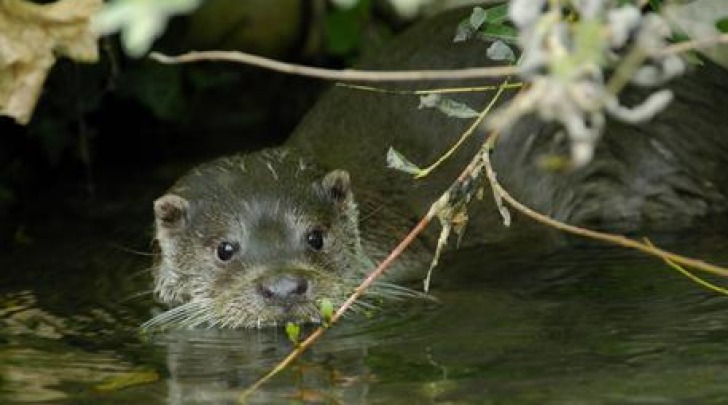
[584, 324]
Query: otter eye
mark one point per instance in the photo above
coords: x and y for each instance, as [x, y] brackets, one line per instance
[226, 250]
[315, 239]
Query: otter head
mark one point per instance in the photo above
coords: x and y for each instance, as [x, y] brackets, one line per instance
[255, 240]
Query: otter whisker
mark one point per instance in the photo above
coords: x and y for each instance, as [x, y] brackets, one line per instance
[363, 305]
[135, 296]
[141, 272]
[207, 318]
[186, 315]
[125, 249]
[389, 290]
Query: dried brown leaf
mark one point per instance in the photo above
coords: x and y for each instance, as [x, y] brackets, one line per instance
[31, 38]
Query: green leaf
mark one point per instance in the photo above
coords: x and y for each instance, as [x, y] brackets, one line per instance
[448, 106]
[722, 24]
[480, 19]
[505, 33]
[327, 310]
[397, 161]
[497, 14]
[655, 5]
[344, 27]
[293, 331]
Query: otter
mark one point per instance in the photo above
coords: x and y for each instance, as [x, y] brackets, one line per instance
[260, 239]
[263, 238]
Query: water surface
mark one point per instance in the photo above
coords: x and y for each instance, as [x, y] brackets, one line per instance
[585, 324]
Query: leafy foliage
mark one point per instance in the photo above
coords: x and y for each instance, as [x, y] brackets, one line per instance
[140, 21]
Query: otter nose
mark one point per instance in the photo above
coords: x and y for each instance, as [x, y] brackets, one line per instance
[284, 288]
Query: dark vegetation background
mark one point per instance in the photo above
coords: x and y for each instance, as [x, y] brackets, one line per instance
[106, 139]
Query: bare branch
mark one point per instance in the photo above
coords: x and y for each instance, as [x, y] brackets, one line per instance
[693, 45]
[596, 235]
[340, 75]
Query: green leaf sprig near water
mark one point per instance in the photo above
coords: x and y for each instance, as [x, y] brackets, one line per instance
[327, 310]
[293, 332]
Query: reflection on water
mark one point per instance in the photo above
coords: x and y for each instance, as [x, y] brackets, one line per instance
[583, 325]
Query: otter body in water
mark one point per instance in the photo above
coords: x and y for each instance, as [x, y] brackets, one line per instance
[262, 238]
[259, 239]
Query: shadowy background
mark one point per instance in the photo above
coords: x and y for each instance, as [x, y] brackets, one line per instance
[107, 138]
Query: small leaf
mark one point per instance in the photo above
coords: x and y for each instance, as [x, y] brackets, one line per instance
[448, 106]
[463, 32]
[498, 51]
[497, 14]
[293, 331]
[505, 33]
[480, 19]
[477, 18]
[327, 310]
[397, 161]
[344, 26]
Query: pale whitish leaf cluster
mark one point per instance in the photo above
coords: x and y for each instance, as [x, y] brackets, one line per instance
[140, 21]
[447, 106]
[489, 25]
[397, 161]
[564, 60]
[499, 51]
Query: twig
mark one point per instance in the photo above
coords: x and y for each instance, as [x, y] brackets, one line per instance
[611, 238]
[340, 75]
[692, 276]
[588, 233]
[468, 132]
[693, 44]
[474, 89]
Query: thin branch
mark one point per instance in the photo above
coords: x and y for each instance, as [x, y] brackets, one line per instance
[468, 132]
[692, 276]
[611, 238]
[693, 45]
[596, 235]
[474, 89]
[339, 75]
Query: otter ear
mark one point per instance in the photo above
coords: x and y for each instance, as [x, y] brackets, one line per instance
[337, 186]
[171, 212]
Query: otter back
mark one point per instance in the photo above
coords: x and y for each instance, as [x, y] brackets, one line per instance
[664, 173]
